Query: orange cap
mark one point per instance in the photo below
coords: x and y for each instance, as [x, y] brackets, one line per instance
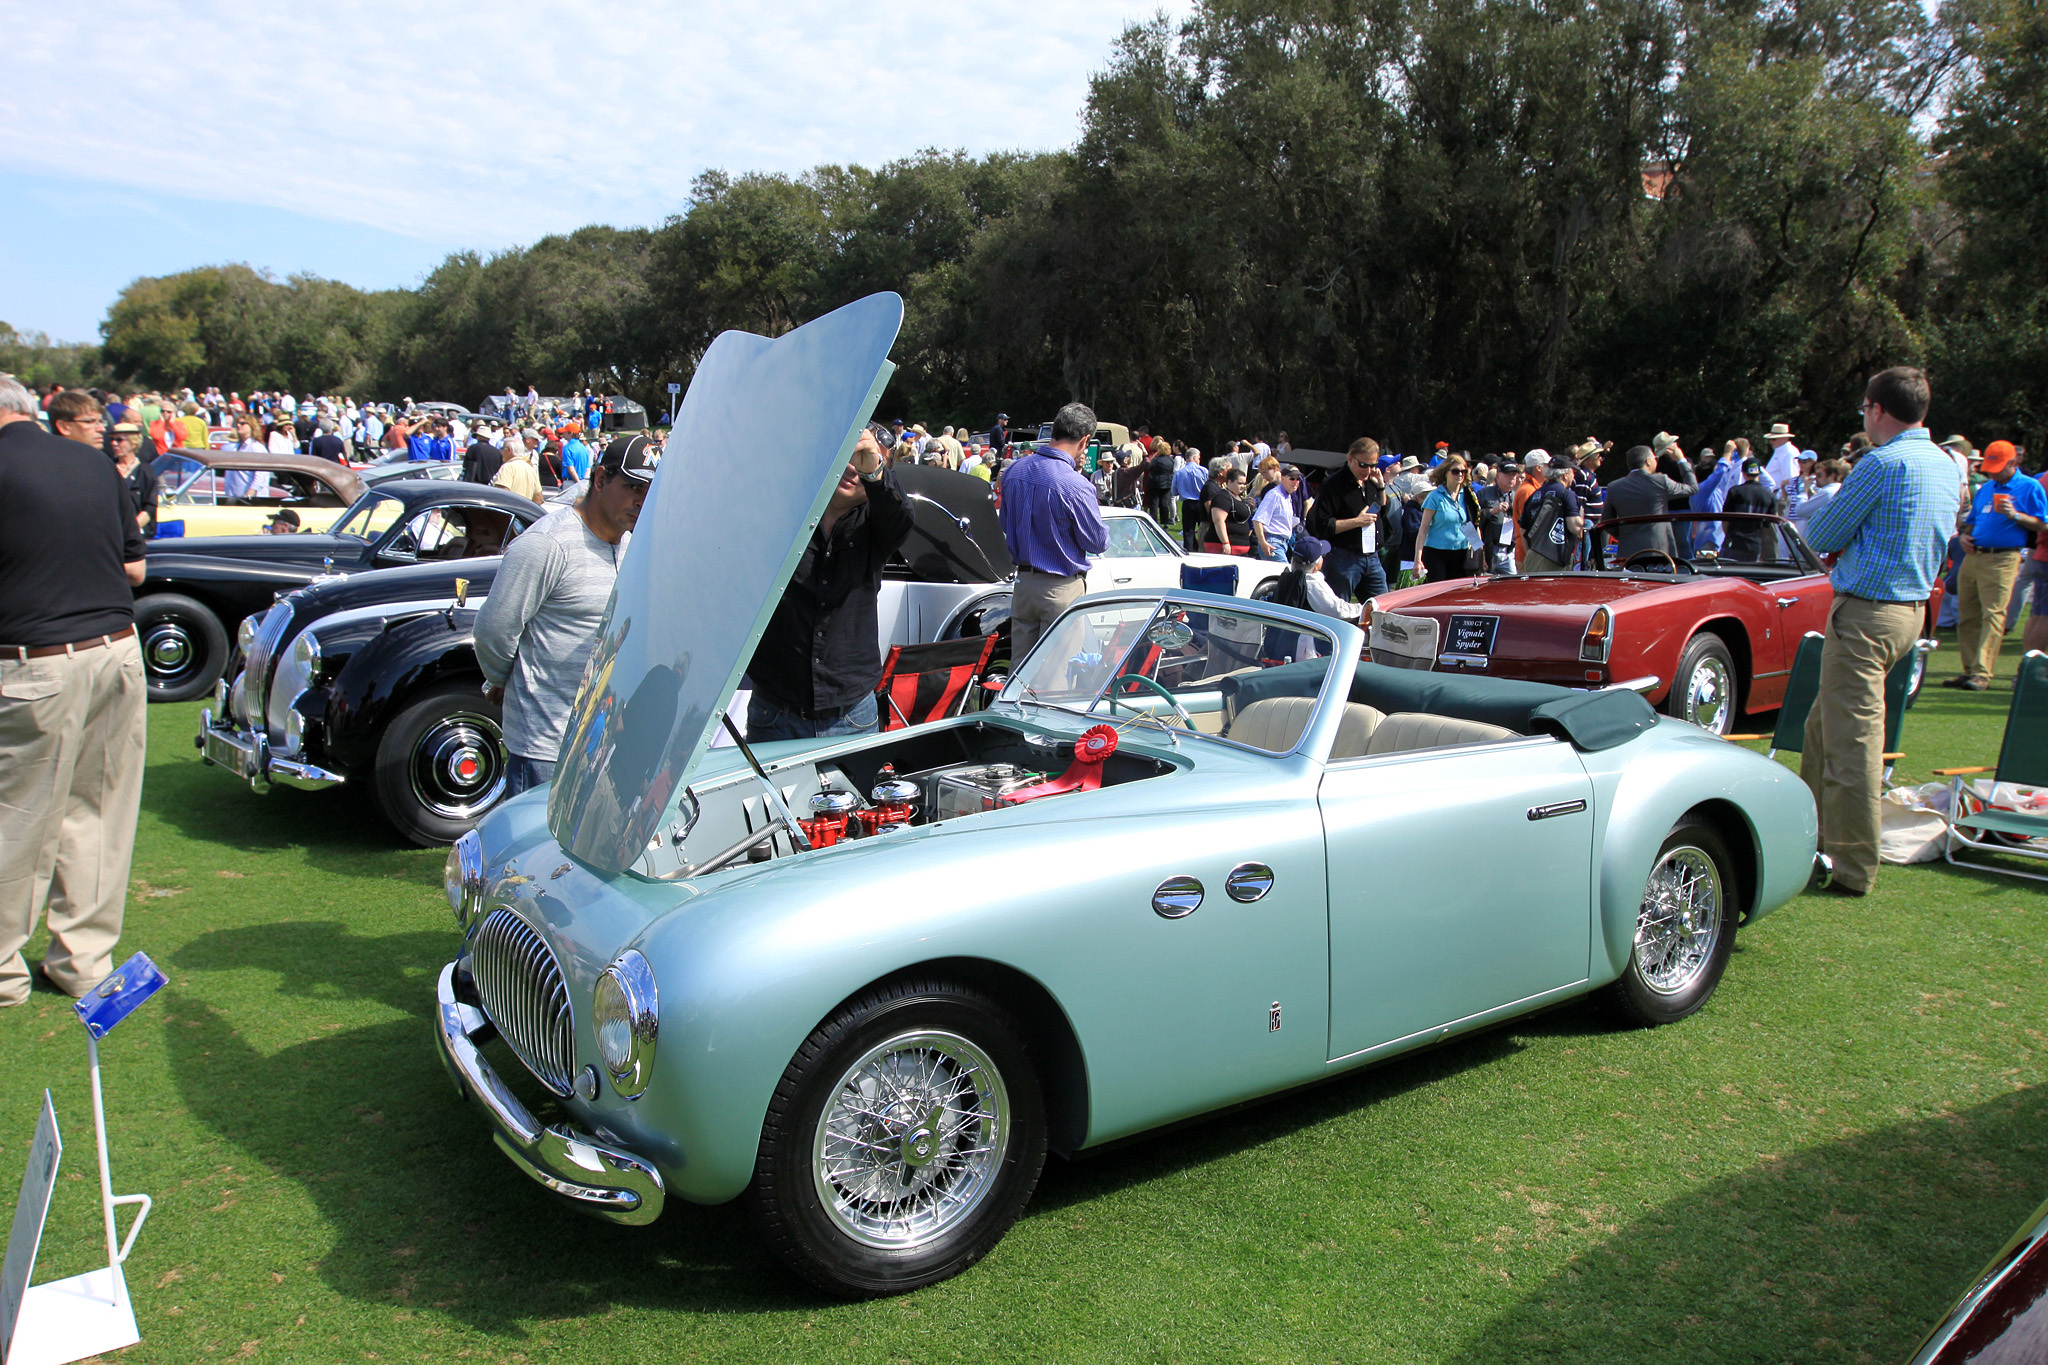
[1997, 456]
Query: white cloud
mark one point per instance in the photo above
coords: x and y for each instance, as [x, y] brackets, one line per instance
[495, 123]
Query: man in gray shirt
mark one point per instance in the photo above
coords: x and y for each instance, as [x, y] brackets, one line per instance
[1646, 491]
[539, 624]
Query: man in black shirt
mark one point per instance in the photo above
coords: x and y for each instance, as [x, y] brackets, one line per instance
[1351, 513]
[815, 670]
[482, 461]
[327, 445]
[71, 692]
[1744, 540]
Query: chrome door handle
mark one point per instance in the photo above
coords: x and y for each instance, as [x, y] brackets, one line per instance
[1120, 580]
[1556, 808]
[1787, 601]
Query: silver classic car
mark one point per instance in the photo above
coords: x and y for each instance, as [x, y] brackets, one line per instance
[868, 984]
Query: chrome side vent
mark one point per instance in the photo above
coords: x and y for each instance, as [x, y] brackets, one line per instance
[523, 994]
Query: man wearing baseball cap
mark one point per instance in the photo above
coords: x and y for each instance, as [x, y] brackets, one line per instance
[2003, 510]
[539, 624]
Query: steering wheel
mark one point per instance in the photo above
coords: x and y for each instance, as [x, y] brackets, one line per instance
[1171, 700]
[1664, 555]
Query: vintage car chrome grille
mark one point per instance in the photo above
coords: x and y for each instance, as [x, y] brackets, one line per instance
[256, 670]
[523, 994]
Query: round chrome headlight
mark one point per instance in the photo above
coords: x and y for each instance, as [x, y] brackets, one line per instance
[626, 1014]
[245, 634]
[306, 654]
[463, 877]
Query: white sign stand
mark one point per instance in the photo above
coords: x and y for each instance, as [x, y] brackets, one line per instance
[88, 1314]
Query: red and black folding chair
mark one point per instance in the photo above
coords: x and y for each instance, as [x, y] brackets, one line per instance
[931, 682]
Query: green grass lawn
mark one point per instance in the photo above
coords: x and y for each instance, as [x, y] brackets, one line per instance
[1809, 1170]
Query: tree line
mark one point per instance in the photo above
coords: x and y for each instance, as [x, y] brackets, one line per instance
[1493, 222]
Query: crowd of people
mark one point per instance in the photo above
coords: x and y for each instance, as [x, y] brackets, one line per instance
[1891, 511]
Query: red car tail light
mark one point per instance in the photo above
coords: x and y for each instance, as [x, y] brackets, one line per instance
[1599, 636]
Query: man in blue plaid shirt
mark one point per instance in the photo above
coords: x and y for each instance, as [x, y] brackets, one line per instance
[1889, 523]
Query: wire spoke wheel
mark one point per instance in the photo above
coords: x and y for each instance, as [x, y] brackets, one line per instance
[910, 1140]
[1679, 924]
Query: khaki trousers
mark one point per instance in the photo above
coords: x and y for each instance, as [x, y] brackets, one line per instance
[1035, 603]
[1984, 583]
[1843, 761]
[71, 748]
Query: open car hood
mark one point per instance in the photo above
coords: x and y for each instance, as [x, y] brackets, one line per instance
[701, 577]
[939, 548]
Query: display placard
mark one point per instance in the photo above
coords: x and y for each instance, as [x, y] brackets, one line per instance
[1469, 639]
[116, 997]
[37, 1181]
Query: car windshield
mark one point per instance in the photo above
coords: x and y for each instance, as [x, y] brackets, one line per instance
[1727, 544]
[176, 475]
[1175, 662]
[372, 515]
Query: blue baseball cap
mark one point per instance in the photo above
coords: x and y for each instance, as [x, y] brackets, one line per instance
[1307, 548]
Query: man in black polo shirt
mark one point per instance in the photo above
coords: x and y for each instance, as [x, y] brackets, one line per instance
[71, 692]
[815, 670]
[1349, 513]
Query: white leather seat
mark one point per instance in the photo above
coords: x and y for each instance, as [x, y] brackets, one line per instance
[1274, 724]
[1355, 730]
[1406, 730]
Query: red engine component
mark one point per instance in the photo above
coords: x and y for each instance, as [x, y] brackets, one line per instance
[825, 830]
[1084, 774]
[888, 813]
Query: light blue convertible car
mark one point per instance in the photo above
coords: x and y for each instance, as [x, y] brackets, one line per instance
[1197, 850]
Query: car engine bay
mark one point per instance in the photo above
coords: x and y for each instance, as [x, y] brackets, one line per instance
[895, 784]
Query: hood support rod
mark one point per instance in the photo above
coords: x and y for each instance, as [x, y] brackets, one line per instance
[789, 821]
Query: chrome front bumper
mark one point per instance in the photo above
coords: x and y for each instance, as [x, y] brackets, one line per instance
[594, 1177]
[247, 756]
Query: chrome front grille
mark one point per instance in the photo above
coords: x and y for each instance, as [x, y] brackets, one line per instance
[523, 994]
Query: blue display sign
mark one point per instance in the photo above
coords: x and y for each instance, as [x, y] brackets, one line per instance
[115, 998]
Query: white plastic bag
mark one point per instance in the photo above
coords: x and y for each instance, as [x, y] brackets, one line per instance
[1908, 830]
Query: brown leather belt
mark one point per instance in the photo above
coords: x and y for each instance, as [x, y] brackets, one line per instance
[23, 653]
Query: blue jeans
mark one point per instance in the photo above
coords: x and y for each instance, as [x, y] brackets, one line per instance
[522, 773]
[766, 721]
[1348, 573]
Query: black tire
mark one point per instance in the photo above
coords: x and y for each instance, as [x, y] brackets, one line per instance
[184, 646]
[1264, 591]
[1670, 973]
[1704, 688]
[424, 785]
[825, 1245]
[1917, 678]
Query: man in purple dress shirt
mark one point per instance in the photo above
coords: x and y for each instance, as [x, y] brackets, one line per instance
[1052, 523]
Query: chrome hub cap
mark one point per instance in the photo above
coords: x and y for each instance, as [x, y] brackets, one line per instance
[168, 648]
[458, 769]
[1680, 921]
[911, 1139]
[1710, 696]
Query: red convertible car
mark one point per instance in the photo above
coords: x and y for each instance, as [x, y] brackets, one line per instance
[1701, 612]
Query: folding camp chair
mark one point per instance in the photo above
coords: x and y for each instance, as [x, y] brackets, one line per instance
[1802, 689]
[2022, 761]
[931, 682]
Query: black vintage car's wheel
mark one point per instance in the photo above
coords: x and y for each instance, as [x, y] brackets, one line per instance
[904, 1138]
[184, 646]
[1685, 929]
[441, 764]
[1703, 688]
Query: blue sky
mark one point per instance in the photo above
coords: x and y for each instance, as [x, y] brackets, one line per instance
[364, 140]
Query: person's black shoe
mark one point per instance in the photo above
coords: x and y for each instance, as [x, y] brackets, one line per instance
[1960, 680]
[1837, 889]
